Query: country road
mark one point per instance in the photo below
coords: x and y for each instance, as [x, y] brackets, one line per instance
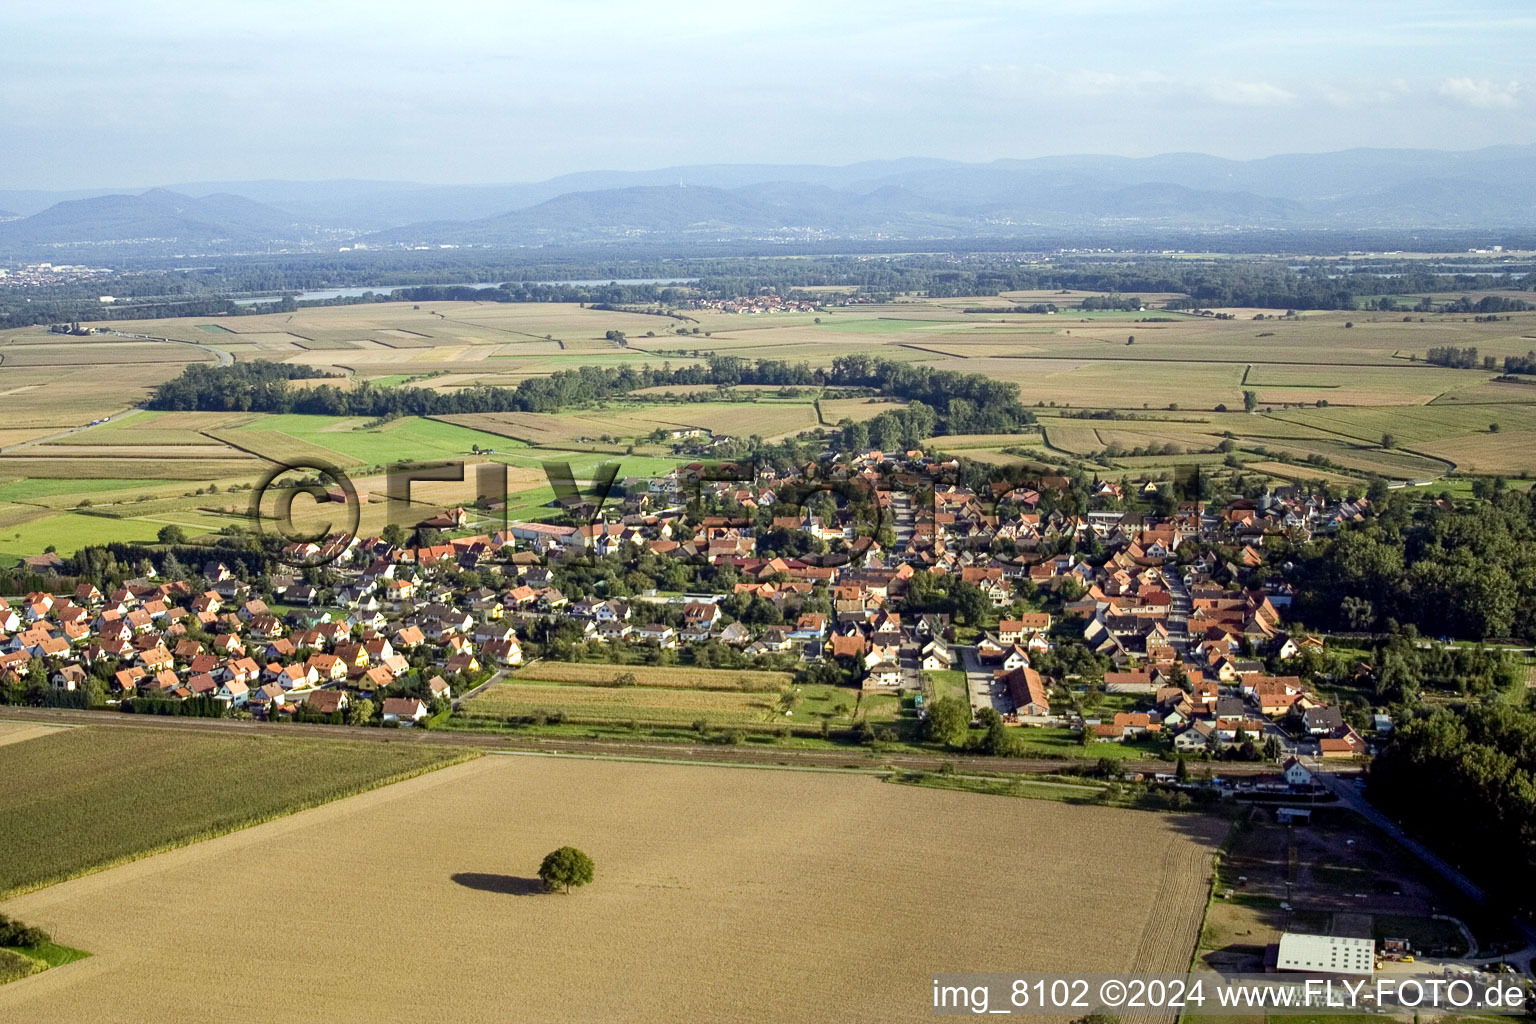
[850, 757]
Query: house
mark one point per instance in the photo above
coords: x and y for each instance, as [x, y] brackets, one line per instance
[657, 633]
[267, 697]
[327, 667]
[1296, 774]
[1230, 709]
[700, 616]
[1347, 743]
[403, 711]
[612, 629]
[326, 702]
[1026, 688]
[1322, 721]
[882, 669]
[935, 657]
[294, 677]
[233, 692]
[1011, 631]
[1194, 739]
[409, 638]
[503, 652]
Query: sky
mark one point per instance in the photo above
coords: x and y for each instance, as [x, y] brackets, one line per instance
[98, 94]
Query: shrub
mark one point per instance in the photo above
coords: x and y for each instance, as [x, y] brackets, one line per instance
[14, 933]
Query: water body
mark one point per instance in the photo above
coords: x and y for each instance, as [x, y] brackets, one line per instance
[385, 289]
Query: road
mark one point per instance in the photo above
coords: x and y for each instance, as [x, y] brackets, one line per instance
[220, 357]
[1178, 612]
[495, 678]
[855, 757]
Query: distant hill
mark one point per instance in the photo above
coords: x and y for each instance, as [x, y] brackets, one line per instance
[915, 198]
[154, 215]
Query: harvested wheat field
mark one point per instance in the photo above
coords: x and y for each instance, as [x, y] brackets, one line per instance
[721, 894]
[16, 732]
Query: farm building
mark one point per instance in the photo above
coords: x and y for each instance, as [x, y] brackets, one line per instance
[1325, 954]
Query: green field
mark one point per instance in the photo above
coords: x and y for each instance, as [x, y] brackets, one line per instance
[648, 704]
[86, 798]
[73, 530]
[408, 438]
[33, 489]
[948, 684]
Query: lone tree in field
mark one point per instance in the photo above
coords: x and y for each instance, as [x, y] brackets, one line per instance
[566, 867]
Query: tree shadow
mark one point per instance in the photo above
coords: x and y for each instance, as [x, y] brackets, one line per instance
[508, 885]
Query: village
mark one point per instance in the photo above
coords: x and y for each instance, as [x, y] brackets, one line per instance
[1156, 640]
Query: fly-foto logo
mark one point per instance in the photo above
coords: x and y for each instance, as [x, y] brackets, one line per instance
[827, 499]
[316, 534]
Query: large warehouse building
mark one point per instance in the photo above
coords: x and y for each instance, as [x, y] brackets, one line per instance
[1325, 954]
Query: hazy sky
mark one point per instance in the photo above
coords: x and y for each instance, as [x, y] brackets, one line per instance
[161, 91]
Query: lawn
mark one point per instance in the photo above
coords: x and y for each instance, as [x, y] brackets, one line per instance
[127, 793]
[949, 683]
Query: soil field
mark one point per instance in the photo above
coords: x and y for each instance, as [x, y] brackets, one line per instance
[721, 894]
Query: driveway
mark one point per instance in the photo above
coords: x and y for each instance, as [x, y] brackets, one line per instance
[978, 684]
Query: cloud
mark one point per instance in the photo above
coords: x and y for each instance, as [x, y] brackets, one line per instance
[1248, 94]
[1015, 80]
[1481, 93]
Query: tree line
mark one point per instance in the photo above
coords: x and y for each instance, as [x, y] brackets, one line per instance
[942, 400]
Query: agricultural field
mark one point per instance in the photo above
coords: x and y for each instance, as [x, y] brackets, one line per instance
[671, 702]
[650, 705]
[744, 680]
[1324, 390]
[128, 793]
[804, 896]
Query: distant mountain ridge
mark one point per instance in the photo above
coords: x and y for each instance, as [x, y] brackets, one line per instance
[907, 198]
[156, 214]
